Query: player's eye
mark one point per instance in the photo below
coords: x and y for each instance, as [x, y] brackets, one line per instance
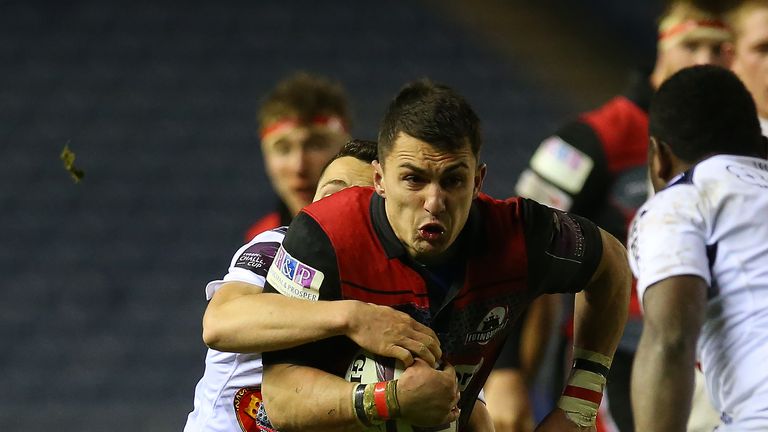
[413, 179]
[453, 181]
[282, 147]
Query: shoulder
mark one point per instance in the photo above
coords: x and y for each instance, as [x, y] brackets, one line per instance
[272, 235]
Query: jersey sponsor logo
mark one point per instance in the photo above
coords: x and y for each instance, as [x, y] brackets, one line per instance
[258, 257]
[493, 322]
[247, 402]
[562, 164]
[292, 278]
[464, 373]
[749, 175]
[531, 185]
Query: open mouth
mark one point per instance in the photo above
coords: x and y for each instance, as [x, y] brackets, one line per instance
[431, 231]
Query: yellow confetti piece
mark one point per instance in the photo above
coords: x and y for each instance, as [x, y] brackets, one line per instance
[68, 157]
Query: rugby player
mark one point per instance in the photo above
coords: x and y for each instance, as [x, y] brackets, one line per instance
[427, 242]
[595, 166]
[240, 322]
[699, 249]
[749, 21]
[303, 122]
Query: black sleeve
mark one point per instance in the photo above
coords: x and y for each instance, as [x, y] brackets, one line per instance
[563, 249]
[305, 267]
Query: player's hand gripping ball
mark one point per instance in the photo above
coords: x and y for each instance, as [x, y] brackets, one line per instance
[367, 368]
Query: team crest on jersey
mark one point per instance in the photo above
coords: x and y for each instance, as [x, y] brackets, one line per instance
[247, 402]
[292, 278]
[258, 257]
[495, 321]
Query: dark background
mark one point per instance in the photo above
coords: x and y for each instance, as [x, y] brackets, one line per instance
[102, 281]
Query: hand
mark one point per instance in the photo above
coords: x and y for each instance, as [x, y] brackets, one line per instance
[427, 396]
[557, 421]
[507, 396]
[390, 333]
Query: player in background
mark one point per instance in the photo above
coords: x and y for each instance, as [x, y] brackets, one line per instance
[595, 166]
[699, 249]
[240, 322]
[451, 257]
[302, 123]
[749, 22]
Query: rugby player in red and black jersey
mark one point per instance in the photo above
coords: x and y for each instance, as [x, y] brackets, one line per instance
[428, 243]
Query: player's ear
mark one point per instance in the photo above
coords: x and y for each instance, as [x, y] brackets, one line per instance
[482, 169]
[378, 177]
[659, 163]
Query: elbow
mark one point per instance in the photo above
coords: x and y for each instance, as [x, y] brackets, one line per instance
[213, 335]
[211, 338]
[671, 344]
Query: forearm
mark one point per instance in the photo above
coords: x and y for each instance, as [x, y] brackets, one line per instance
[601, 309]
[269, 322]
[537, 328]
[662, 383]
[663, 373]
[302, 398]
[480, 420]
[507, 395]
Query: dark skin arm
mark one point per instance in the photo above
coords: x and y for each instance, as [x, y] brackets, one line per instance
[666, 357]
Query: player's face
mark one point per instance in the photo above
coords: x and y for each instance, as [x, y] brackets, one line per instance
[692, 51]
[751, 56]
[428, 193]
[295, 156]
[342, 173]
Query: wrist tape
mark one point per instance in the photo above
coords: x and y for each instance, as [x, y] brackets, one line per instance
[375, 403]
[584, 390]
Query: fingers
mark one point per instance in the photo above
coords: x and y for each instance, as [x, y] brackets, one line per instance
[453, 415]
[429, 343]
[420, 350]
[402, 354]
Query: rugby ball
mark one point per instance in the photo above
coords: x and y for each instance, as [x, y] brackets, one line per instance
[367, 368]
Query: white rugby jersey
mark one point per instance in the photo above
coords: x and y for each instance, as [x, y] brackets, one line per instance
[228, 394]
[712, 222]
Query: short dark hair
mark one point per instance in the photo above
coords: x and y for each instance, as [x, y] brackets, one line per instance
[363, 150]
[304, 96]
[433, 113]
[705, 110]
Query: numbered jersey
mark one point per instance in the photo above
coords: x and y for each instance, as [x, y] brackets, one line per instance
[228, 396]
[712, 222]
